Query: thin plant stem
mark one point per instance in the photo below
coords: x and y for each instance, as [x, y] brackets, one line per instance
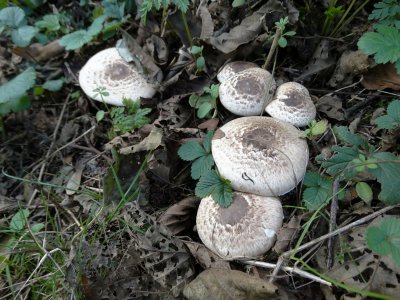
[185, 23]
[339, 24]
[273, 48]
[350, 18]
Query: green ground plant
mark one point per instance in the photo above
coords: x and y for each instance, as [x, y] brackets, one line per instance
[206, 102]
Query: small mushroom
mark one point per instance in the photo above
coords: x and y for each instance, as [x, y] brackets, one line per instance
[247, 228]
[108, 70]
[233, 68]
[292, 103]
[246, 92]
[260, 155]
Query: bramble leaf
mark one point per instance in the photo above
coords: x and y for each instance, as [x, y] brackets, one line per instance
[384, 239]
[347, 137]
[341, 161]
[392, 119]
[191, 150]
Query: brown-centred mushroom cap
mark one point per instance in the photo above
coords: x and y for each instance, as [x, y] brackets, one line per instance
[233, 68]
[246, 92]
[246, 229]
[107, 69]
[260, 155]
[292, 103]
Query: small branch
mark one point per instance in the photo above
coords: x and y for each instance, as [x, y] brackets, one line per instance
[332, 222]
[288, 269]
[273, 48]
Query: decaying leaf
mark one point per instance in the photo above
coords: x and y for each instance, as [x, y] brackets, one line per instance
[287, 234]
[39, 52]
[350, 64]
[206, 258]
[207, 25]
[157, 48]
[228, 284]
[381, 77]
[74, 181]
[357, 266]
[151, 142]
[180, 216]
[331, 106]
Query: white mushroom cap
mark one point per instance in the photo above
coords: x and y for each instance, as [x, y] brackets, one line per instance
[120, 79]
[292, 103]
[233, 68]
[247, 228]
[260, 155]
[245, 93]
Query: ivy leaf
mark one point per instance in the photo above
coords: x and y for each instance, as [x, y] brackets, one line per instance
[392, 119]
[216, 186]
[384, 239]
[388, 175]
[75, 40]
[191, 150]
[201, 165]
[318, 191]
[12, 16]
[17, 87]
[23, 35]
[347, 137]
[383, 44]
[18, 221]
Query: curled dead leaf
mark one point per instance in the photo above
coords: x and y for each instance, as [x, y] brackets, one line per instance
[331, 106]
[205, 257]
[382, 77]
[286, 234]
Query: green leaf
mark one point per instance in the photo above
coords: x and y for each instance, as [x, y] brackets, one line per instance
[282, 42]
[196, 49]
[201, 165]
[339, 162]
[392, 119]
[364, 191]
[213, 90]
[290, 33]
[207, 141]
[191, 150]
[75, 40]
[219, 188]
[204, 109]
[384, 239]
[37, 227]
[23, 35]
[318, 128]
[200, 63]
[388, 175]
[17, 87]
[318, 191]
[53, 85]
[18, 221]
[182, 5]
[384, 44]
[97, 26]
[193, 100]
[343, 133]
[100, 115]
[15, 105]
[238, 3]
[49, 22]
[12, 17]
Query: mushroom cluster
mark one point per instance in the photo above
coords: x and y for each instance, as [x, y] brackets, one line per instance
[263, 157]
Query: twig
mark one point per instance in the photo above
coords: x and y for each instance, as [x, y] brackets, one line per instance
[291, 252]
[332, 222]
[288, 269]
[273, 48]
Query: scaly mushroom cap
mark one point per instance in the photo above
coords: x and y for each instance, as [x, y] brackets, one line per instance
[260, 155]
[245, 93]
[292, 103]
[247, 228]
[233, 68]
[121, 80]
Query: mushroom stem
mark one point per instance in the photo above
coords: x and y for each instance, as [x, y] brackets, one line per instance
[274, 47]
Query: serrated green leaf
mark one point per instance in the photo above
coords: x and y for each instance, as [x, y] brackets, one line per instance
[15, 105]
[17, 87]
[75, 40]
[383, 44]
[384, 239]
[339, 162]
[364, 191]
[97, 26]
[182, 5]
[201, 165]
[207, 141]
[12, 16]
[50, 22]
[18, 221]
[385, 122]
[53, 85]
[343, 133]
[219, 188]
[318, 191]
[319, 127]
[204, 109]
[214, 90]
[392, 119]
[223, 194]
[23, 35]
[191, 150]
[388, 175]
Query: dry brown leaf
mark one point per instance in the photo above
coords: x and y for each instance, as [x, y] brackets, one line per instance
[151, 142]
[382, 77]
[207, 25]
[228, 284]
[286, 234]
[157, 48]
[180, 216]
[210, 124]
[39, 52]
[331, 106]
[205, 257]
[74, 181]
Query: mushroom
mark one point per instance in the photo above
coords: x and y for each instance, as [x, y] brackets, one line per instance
[233, 68]
[260, 155]
[245, 93]
[247, 228]
[292, 103]
[108, 70]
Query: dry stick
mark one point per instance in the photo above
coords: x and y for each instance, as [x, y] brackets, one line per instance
[44, 163]
[326, 236]
[287, 269]
[273, 48]
[332, 222]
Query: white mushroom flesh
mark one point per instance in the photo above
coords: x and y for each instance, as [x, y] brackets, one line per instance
[120, 79]
[246, 93]
[292, 103]
[246, 229]
[260, 155]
